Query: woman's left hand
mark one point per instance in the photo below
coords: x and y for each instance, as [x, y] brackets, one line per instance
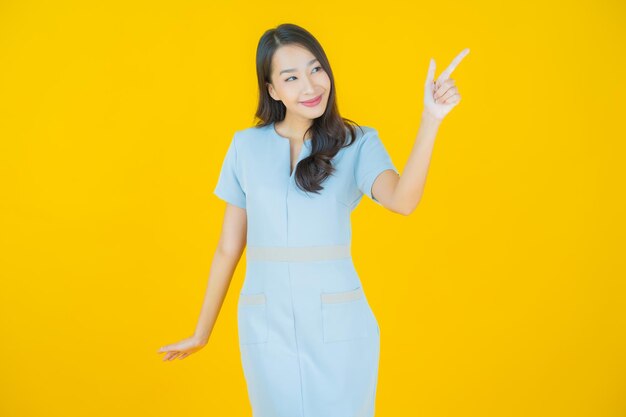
[441, 96]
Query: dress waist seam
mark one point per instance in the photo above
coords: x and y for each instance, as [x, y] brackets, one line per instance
[297, 253]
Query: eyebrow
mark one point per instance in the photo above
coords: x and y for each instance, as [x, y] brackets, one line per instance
[294, 70]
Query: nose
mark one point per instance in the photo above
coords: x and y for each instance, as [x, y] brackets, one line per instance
[308, 86]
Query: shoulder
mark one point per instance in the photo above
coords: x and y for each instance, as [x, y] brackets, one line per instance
[252, 132]
[365, 135]
[365, 132]
[250, 135]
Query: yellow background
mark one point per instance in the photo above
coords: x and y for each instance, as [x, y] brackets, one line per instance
[502, 295]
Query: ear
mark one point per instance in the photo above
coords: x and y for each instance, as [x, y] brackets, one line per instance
[270, 90]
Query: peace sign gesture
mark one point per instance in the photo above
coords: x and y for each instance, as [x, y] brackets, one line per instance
[441, 96]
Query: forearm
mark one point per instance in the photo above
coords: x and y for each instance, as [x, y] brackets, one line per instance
[410, 187]
[222, 269]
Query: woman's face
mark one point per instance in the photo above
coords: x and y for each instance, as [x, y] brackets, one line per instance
[297, 76]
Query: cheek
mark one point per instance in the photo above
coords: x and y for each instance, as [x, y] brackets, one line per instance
[288, 94]
[291, 97]
[326, 81]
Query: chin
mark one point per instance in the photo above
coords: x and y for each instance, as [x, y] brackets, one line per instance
[314, 116]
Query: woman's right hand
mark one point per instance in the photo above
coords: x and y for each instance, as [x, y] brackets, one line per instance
[442, 95]
[183, 348]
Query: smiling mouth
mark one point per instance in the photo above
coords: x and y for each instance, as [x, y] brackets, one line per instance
[313, 100]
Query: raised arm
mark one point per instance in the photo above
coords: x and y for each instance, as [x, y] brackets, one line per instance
[402, 193]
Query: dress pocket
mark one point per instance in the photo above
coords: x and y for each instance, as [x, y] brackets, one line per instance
[252, 319]
[345, 315]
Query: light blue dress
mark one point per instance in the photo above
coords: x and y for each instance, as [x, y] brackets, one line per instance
[308, 339]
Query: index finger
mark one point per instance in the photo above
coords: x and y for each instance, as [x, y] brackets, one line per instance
[446, 73]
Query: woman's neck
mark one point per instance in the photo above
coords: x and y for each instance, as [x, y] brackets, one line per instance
[293, 129]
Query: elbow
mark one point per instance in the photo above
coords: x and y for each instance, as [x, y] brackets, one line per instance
[406, 211]
[231, 249]
[405, 205]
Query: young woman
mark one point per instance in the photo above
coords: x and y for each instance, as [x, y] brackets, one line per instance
[308, 339]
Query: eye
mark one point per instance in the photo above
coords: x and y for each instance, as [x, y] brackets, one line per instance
[313, 68]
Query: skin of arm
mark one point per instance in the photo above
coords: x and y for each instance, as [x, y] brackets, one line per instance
[225, 259]
[402, 193]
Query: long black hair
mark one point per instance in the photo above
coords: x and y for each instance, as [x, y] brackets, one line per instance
[329, 131]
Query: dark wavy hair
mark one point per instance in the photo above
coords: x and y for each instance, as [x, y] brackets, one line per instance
[329, 131]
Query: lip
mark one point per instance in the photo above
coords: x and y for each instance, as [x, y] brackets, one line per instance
[313, 102]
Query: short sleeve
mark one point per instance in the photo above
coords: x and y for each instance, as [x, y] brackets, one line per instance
[228, 186]
[372, 159]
